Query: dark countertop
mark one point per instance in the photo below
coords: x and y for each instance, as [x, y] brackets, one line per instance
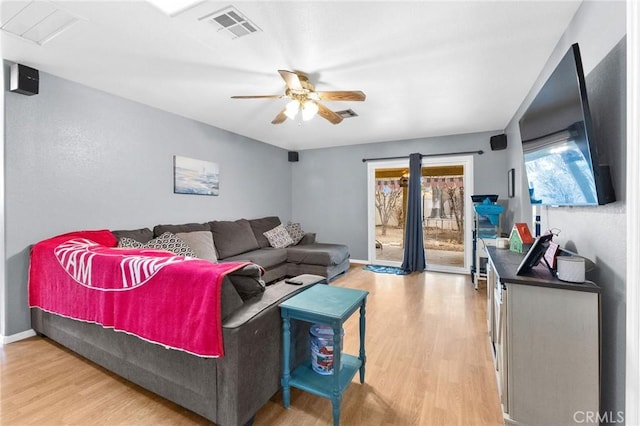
[506, 263]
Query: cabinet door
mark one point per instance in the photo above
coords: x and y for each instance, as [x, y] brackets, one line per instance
[502, 363]
[553, 354]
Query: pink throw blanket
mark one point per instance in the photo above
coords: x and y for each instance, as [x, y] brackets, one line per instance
[162, 298]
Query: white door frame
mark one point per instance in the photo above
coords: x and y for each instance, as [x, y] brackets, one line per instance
[467, 162]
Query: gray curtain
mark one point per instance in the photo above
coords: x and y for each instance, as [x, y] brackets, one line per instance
[413, 244]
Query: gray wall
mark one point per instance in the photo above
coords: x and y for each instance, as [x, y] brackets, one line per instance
[330, 185]
[597, 233]
[78, 158]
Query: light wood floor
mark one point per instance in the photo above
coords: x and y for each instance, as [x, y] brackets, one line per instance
[428, 363]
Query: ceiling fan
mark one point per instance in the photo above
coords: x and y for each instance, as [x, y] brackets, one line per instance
[305, 98]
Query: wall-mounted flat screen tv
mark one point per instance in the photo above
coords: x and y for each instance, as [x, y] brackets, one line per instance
[558, 141]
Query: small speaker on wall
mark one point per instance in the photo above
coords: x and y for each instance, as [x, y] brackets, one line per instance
[293, 156]
[498, 142]
[24, 80]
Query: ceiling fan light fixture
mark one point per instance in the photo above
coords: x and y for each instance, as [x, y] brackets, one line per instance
[304, 98]
[292, 108]
[309, 110]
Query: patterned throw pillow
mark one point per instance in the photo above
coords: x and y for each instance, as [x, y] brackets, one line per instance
[166, 241]
[278, 237]
[295, 232]
[126, 242]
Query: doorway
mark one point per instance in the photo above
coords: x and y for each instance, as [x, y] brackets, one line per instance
[446, 213]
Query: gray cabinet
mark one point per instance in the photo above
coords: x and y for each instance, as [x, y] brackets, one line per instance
[546, 340]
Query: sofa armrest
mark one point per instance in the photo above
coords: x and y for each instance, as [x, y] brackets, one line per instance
[309, 238]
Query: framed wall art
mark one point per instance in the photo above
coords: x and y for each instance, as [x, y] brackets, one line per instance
[191, 176]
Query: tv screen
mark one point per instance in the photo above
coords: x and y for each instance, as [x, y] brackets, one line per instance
[560, 152]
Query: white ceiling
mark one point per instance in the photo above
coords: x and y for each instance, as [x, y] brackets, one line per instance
[428, 68]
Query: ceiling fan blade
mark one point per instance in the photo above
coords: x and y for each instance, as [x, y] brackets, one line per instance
[352, 95]
[280, 118]
[327, 114]
[257, 97]
[292, 79]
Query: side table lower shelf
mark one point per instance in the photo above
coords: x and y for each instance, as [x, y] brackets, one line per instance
[308, 380]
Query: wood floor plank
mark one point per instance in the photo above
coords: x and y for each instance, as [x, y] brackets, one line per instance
[428, 363]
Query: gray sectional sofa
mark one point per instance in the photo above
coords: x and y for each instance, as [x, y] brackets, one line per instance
[244, 240]
[228, 390]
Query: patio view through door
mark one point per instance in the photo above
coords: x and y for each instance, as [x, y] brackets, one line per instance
[446, 212]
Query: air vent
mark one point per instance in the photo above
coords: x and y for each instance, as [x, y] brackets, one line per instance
[37, 21]
[347, 113]
[231, 21]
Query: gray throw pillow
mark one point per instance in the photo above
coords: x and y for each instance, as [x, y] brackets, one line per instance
[201, 242]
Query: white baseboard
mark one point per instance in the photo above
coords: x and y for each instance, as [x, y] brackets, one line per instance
[359, 262]
[19, 336]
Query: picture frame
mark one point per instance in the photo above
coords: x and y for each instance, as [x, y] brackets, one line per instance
[511, 183]
[197, 177]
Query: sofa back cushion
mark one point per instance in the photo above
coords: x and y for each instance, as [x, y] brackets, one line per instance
[142, 235]
[262, 225]
[231, 238]
[174, 229]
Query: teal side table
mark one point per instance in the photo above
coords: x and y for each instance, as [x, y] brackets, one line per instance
[323, 304]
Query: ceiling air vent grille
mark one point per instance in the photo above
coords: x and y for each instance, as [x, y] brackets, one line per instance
[347, 113]
[232, 22]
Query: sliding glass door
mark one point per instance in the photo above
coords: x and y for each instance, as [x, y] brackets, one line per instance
[387, 204]
[446, 213]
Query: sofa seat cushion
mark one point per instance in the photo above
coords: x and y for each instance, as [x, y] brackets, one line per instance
[266, 257]
[318, 254]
